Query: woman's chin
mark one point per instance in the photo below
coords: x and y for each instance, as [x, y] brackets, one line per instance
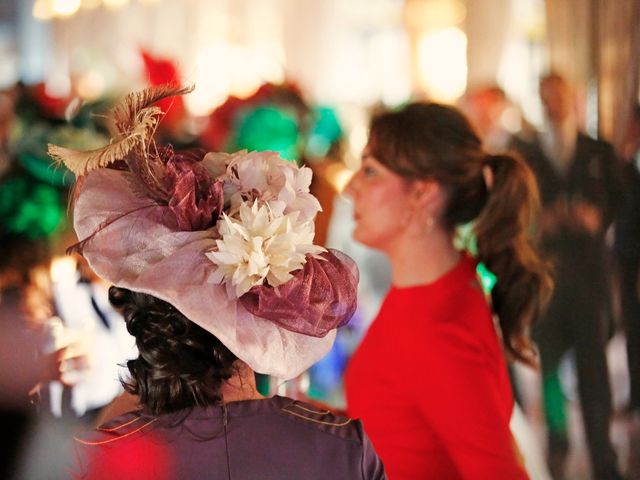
[357, 235]
[362, 238]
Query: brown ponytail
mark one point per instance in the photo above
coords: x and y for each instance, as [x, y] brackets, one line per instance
[505, 245]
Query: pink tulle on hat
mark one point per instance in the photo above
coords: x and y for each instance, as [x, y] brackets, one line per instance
[227, 239]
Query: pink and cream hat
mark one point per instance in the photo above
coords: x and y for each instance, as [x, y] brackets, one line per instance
[227, 239]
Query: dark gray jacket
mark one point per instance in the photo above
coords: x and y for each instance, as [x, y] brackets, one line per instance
[276, 438]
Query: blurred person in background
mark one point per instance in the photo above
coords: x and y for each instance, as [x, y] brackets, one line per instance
[18, 371]
[485, 108]
[25, 306]
[87, 324]
[30, 213]
[44, 374]
[21, 366]
[430, 379]
[68, 303]
[627, 250]
[580, 191]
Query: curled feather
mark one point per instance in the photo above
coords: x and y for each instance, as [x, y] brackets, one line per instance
[139, 135]
[125, 114]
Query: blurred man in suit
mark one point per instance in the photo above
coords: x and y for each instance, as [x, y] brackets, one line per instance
[579, 191]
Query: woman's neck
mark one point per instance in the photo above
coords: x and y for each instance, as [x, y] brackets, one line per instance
[241, 386]
[422, 260]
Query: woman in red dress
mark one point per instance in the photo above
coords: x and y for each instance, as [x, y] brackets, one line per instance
[430, 379]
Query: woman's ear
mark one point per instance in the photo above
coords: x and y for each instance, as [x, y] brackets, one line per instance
[426, 192]
[426, 205]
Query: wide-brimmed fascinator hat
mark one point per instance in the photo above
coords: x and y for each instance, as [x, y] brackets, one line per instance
[227, 239]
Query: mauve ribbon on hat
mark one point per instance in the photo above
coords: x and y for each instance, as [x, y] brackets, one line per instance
[320, 297]
[196, 198]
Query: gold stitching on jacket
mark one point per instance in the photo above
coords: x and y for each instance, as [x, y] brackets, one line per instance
[119, 426]
[116, 438]
[309, 410]
[332, 424]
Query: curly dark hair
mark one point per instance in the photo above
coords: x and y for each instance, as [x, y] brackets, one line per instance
[429, 140]
[180, 365]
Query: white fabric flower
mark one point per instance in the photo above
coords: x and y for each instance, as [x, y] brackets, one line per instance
[221, 167]
[261, 246]
[257, 175]
[295, 193]
[217, 162]
[263, 176]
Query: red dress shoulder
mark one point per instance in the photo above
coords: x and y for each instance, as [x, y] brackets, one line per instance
[430, 383]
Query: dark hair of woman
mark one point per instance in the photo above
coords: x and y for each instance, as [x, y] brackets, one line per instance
[180, 365]
[498, 192]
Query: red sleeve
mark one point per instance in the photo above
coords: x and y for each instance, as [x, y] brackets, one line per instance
[458, 394]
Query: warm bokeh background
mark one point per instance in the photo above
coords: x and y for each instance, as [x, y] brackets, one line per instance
[302, 77]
